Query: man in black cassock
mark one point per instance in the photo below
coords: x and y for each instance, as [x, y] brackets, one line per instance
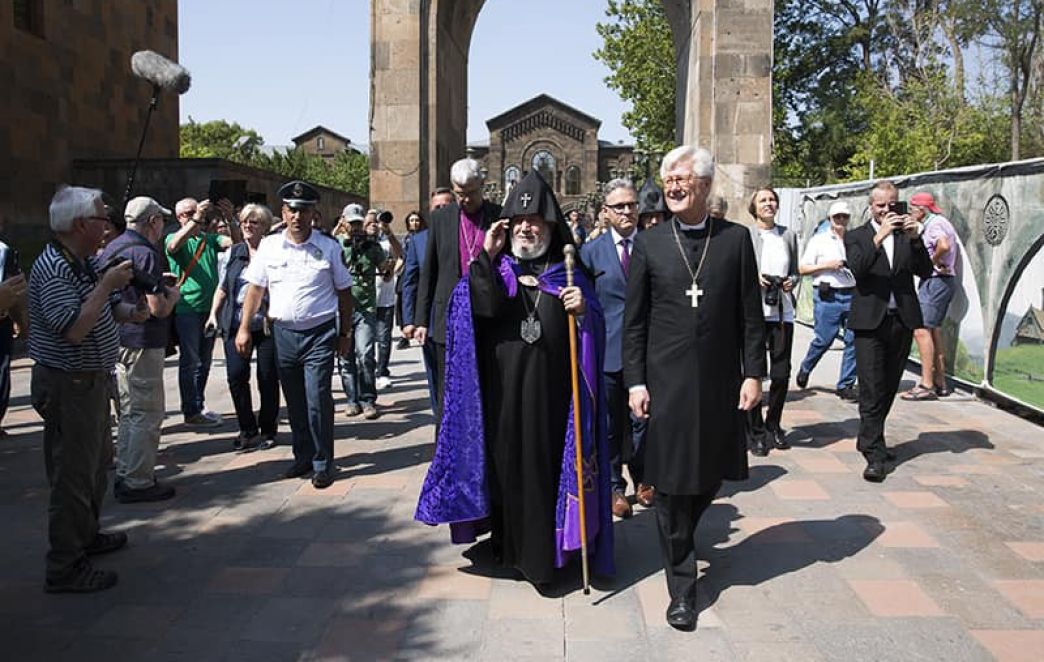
[505, 460]
[693, 361]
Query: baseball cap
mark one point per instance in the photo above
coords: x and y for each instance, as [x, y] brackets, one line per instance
[839, 208]
[925, 199]
[353, 213]
[142, 208]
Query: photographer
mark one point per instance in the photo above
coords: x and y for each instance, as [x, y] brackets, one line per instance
[378, 226]
[775, 248]
[73, 312]
[192, 253]
[884, 256]
[364, 257]
[139, 371]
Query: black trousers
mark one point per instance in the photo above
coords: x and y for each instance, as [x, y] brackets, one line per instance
[880, 359]
[677, 516]
[621, 443]
[439, 354]
[779, 340]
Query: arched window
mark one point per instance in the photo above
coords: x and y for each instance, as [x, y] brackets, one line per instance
[511, 176]
[572, 180]
[544, 163]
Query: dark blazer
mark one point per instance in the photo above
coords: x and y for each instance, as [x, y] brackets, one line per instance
[440, 270]
[875, 280]
[411, 275]
[601, 259]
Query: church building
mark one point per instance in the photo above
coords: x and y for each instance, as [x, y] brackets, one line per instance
[559, 141]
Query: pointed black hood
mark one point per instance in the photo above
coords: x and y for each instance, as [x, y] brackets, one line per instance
[650, 198]
[532, 196]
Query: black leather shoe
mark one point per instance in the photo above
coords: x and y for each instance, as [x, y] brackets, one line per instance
[875, 472]
[298, 470]
[890, 455]
[849, 393]
[322, 479]
[802, 379]
[760, 448]
[779, 439]
[681, 614]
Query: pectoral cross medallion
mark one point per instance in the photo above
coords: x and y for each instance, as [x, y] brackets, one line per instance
[694, 293]
[530, 330]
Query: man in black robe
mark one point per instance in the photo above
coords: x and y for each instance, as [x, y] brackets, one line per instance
[693, 360]
[506, 461]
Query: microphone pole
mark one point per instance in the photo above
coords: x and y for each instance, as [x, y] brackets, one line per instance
[141, 143]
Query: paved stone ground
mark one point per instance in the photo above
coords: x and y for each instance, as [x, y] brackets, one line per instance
[805, 561]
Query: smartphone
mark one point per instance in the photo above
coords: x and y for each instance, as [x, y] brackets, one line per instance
[233, 189]
[12, 266]
[897, 207]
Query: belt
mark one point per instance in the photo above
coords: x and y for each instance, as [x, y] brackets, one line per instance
[842, 290]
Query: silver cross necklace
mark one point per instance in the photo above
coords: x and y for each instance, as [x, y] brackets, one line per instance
[694, 293]
[530, 329]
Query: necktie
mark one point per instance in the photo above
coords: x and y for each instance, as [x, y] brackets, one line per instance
[625, 256]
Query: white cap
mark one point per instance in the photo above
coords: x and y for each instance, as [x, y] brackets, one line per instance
[143, 208]
[839, 208]
[353, 213]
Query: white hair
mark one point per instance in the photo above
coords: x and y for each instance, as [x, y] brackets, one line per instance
[466, 171]
[183, 205]
[71, 203]
[614, 184]
[699, 159]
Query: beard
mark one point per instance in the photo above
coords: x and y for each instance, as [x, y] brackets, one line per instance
[524, 251]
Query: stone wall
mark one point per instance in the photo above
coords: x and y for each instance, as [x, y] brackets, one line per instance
[68, 93]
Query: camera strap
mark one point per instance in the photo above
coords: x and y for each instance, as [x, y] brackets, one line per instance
[82, 269]
[192, 263]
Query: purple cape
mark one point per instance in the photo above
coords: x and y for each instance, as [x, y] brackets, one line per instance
[455, 490]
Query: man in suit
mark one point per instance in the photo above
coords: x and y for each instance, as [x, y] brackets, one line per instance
[455, 240]
[608, 257]
[410, 276]
[883, 255]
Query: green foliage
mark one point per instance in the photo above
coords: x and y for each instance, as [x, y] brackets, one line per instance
[348, 171]
[639, 53]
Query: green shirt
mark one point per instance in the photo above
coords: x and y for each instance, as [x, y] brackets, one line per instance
[197, 292]
[363, 266]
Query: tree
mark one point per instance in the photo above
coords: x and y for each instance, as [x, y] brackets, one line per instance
[639, 53]
[348, 171]
[1016, 27]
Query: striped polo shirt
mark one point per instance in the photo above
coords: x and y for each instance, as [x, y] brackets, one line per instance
[56, 292]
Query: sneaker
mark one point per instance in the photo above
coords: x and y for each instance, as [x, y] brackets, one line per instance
[268, 441]
[154, 492]
[404, 343]
[383, 383]
[104, 543]
[201, 421]
[802, 379]
[244, 441]
[352, 409]
[370, 412]
[849, 393]
[212, 415]
[84, 578]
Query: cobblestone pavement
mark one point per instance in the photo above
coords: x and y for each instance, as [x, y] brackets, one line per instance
[804, 561]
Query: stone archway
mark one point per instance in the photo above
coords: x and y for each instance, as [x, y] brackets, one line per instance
[418, 96]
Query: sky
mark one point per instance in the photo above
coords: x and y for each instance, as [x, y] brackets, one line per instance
[247, 69]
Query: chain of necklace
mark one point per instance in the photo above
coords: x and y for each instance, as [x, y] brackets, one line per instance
[532, 313]
[685, 260]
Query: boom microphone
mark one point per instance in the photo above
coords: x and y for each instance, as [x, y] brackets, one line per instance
[160, 71]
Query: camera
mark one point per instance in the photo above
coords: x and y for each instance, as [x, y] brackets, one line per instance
[142, 281]
[385, 217]
[772, 292]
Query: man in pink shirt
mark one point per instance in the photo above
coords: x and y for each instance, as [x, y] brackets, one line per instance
[935, 294]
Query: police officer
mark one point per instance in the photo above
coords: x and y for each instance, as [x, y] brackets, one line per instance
[309, 289]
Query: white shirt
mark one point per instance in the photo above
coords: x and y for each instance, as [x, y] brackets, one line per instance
[889, 248]
[618, 240]
[385, 288]
[302, 279]
[825, 247]
[775, 261]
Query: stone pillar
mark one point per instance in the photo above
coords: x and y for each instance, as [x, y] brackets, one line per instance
[398, 127]
[724, 57]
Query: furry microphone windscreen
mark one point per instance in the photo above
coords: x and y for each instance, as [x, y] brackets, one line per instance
[160, 71]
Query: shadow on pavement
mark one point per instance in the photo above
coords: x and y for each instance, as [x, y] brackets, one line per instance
[955, 441]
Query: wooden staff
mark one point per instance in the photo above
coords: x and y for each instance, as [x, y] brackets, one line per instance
[570, 257]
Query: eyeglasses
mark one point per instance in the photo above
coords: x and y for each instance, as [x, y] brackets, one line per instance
[97, 218]
[623, 206]
[678, 181]
[470, 193]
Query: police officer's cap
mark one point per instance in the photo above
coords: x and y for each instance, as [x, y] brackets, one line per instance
[299, 195]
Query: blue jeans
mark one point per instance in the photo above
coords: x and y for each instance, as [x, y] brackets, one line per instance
[305, 360]
[385, 321]
[194, 354]
[358, 373]
[831, 317]
[238, 370]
